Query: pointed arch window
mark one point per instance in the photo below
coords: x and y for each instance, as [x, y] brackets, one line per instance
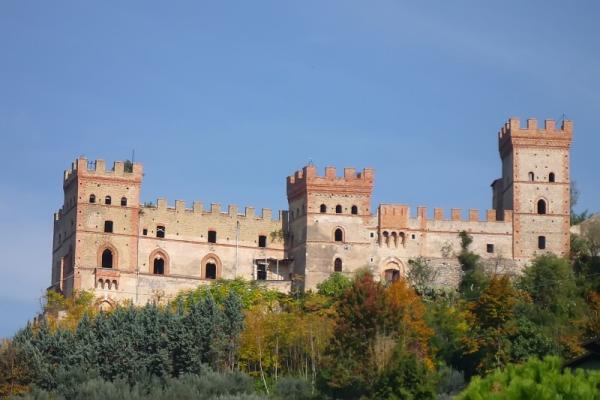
[337, 265]
[211, 270]
[338, 235]
[323, 208]
[541, 207]
[107, 259]
[158, 266]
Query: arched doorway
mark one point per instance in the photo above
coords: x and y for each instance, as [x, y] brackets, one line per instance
[392, 270]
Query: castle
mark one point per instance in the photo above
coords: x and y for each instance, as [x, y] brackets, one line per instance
[106, 240]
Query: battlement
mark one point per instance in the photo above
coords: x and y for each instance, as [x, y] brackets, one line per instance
[120, 169]
[214, 210]
[512, 133]
[397, 215]
[306, 180]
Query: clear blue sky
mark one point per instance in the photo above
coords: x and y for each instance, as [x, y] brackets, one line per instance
[222, 100]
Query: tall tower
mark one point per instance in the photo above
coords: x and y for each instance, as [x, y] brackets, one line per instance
[535, 184]
[98, 223]
[327, 216]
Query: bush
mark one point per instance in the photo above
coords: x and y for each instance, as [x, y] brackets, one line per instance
[535, 380]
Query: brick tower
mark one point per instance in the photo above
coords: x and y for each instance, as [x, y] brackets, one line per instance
[535, 184]
[96, 201]
[327, 214]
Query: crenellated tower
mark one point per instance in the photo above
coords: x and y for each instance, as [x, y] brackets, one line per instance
[330, 210]
[96, 199]
[535, 184]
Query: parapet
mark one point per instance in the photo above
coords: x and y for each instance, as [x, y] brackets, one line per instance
[214, 210]
[352, 182]
[456, 214]
[531, 134]
[120, 170]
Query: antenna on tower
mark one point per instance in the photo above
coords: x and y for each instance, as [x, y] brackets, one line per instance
[132, 156]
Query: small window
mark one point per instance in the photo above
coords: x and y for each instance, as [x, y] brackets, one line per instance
[339, 235]
[413, 236]
[262, 241]
[372, 234]
[337, 265]
[338, 209]
[107, 259]
[531, 177]
[211, 271]
[145, 232]
[107, 200]
[323, 208]
[160, 231]
[541, 207]
[551, 177]
[92, 198]
[490, 248]
[159, 266]
[354, 210]
[108, 226]
[124, 201]
[541, 242]
[212, 236]
[261, 272]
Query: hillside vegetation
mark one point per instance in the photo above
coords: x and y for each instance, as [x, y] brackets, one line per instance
[356, 338]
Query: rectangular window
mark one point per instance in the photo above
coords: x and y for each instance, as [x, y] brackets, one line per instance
[160, 231]
[261, 272]
[145, 232]
[541, 242]
[262, 241]
[490, 248]
[212, 236]
[108, 226]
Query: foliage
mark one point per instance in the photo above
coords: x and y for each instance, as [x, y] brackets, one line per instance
[473, 280]
[422, 275]
[535, 380]
[335, 285]
[249, 292]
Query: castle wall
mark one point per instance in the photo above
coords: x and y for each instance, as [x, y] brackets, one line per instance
[330, 227]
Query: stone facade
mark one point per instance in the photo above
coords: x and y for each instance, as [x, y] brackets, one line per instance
[105, 239]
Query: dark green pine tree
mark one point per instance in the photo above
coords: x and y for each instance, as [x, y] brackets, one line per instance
[152, 341]
[210, 330]
[233, 323]
[178, 339]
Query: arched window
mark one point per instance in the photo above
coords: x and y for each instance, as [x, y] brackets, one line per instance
[323, 208]
[160, 231]
[211, 270]
[541, 207]
[159, 266]
[531, 177]
[337, 265]
[107, 259]
[338, 209]
[391, 275]
[354, 210]
[124, 201]
[107, 200]
[551, 177]
[339, 235]
[92, 198]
